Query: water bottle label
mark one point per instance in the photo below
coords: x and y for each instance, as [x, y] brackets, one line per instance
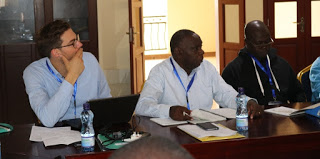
[242, 123]
[87, 141]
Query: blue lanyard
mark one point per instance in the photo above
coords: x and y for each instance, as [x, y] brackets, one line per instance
[189, 85]
[74, 90]
[268, 72]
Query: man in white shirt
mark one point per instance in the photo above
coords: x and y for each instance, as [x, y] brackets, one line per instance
[185, 82]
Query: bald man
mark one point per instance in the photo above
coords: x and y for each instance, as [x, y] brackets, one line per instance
[264, 75]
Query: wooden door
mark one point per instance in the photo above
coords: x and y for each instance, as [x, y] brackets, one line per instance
[136, 45]
[231, 33]
[290, 24]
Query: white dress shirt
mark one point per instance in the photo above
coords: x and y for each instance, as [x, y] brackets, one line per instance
[163, 89]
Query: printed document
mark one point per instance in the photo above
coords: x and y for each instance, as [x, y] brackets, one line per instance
[54, 136]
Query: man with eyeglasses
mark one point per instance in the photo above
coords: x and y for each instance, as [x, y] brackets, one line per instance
[264, 75]
[67, 77]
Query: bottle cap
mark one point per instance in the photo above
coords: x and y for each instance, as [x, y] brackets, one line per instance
[86, 106]
[240, 89]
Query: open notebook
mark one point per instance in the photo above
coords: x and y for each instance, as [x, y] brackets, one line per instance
[200, 116]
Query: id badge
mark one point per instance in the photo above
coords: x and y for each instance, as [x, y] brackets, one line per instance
[274, 103]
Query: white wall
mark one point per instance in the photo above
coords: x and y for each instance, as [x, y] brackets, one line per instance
[196, 15]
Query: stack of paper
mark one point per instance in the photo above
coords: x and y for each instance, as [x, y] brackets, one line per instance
[54, 136]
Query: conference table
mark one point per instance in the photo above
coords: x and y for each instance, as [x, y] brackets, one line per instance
[269, 136]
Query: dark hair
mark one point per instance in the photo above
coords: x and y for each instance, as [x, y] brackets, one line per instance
[153, 147]
[48, 37]
[177, 37]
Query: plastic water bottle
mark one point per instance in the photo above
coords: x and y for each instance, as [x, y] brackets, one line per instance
[242, 111]
[87, 131]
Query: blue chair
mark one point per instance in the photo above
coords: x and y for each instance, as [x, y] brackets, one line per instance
[303, 77]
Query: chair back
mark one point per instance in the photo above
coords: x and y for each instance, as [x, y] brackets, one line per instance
[303, 77]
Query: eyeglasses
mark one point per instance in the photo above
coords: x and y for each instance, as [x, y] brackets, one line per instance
[74, 44]
[263, 44]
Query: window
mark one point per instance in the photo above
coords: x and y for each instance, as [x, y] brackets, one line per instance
[155, 27]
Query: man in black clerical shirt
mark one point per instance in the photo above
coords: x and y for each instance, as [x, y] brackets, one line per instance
[264, 75]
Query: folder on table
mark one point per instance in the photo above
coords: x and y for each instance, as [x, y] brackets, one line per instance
[203, 135]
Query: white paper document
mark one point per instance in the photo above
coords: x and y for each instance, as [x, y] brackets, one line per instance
[37, 132]
[198, 132]
[167, 121]
[281, 110]
[225, 112]
[54, 136]
[65, 138]
[290, 111]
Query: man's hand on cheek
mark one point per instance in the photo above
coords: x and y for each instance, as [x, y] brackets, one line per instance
[76, 65]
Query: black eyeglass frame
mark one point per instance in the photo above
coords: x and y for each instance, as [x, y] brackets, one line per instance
[74, 44]
[263, 44]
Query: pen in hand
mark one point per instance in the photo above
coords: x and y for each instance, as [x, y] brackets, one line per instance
[186, 114]
[179, 113]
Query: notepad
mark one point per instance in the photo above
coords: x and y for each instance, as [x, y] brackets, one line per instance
[285, 111]
[204, 135]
